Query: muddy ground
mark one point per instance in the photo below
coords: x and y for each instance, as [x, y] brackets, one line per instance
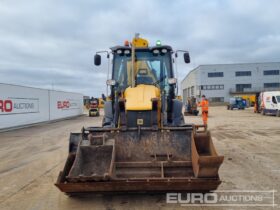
[32, 157]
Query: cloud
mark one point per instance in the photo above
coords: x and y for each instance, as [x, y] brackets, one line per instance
[52, 43]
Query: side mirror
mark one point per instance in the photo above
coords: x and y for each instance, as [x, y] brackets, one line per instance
[97, 59]
[187, 57]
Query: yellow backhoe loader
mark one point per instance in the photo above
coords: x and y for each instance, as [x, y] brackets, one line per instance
[144, 143]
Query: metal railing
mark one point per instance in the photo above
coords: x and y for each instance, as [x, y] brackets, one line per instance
[251, 90]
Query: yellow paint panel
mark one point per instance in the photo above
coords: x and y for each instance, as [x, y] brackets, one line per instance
[251, 98]
[100, 103]
[139, 97]
[140, 42]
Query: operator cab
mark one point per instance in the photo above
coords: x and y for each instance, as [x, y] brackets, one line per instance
[142, 76]
[153, 66]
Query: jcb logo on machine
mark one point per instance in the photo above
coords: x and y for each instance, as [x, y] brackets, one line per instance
[140, 121]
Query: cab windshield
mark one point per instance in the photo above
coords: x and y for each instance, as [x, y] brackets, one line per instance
[278, 99]
[150, 69]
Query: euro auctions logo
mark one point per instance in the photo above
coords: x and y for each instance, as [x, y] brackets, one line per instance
[6, 105]
[228, 198]
[13, 105]
[63, 104]
[67, 104]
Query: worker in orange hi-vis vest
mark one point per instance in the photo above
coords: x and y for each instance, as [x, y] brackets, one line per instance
[204, 104]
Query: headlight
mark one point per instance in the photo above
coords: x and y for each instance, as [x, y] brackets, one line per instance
[127, 52]
[156, 51]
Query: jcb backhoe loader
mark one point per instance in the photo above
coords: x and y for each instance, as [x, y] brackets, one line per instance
[93, 109]
[191, 107]
[144, 143]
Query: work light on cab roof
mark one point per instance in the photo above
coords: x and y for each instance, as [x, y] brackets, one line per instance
[158, 43]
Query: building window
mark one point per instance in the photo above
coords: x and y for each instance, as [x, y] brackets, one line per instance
[216, 74]
[192, 90]
[242, 73]
[217, 99]
[241, 87]
[271, 85]
[271, 72]
[211, 87]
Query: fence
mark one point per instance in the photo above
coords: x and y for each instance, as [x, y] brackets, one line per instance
[21, 105]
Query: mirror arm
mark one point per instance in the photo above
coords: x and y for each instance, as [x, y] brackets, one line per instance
[184, 51]
[108, 57]
[104, 51]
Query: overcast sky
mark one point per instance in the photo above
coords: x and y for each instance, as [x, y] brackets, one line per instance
[45, 43]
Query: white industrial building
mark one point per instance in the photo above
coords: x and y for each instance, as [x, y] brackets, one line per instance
[219, 82]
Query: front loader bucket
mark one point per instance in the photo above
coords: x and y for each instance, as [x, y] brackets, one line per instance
[139, 160]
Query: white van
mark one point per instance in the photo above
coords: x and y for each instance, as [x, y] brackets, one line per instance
[270, 103]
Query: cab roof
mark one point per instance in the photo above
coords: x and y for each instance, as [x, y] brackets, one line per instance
[115, 48]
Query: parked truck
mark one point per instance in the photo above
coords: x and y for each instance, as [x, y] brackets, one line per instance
[268, 103]
[236, 103]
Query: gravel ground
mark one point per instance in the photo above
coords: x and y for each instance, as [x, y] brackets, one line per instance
[32, 157]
